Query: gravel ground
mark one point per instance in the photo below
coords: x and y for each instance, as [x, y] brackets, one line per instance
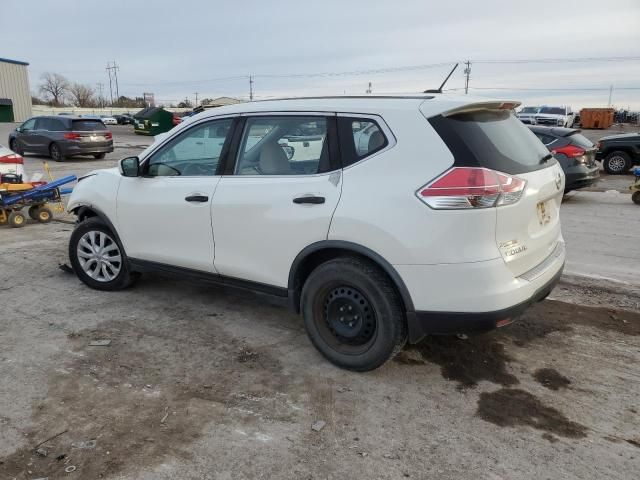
[201, 382]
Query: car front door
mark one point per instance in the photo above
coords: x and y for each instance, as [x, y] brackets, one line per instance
[24, 135]
[277, 197]
[39, 136]
[164, 215]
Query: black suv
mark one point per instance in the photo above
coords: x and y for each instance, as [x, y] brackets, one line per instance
[61, 137]
[619, 152]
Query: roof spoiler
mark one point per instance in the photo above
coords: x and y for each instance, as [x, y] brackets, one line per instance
[475, 107]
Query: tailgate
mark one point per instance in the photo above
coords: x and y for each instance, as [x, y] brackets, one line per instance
[528, 231]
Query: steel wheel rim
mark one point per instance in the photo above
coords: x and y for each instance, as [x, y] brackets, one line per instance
[99, 256]
[616, 164]
[347, 331]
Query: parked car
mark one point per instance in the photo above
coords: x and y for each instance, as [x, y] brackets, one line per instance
[554, 116]
[448, 221]
[575, 153]
[619, 152]
[124, 119]
[108, 120]
[528, 115]
[62, 137]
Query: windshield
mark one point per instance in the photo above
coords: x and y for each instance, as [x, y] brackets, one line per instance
[552, 110]
[529, 110]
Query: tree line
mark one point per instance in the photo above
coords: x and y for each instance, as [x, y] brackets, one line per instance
[56, 90]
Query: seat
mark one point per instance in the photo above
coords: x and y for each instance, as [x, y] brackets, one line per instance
[376, 140]
[273, 160]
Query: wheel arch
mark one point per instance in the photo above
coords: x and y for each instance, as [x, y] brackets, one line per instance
[319, 252]
[83, 212]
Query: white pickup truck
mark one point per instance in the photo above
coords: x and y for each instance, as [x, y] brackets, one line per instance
[547, 115]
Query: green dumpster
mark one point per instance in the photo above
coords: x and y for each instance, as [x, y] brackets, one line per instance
[6, 110]
[152, 121]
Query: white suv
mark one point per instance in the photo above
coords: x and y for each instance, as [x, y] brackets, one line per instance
[445, 220]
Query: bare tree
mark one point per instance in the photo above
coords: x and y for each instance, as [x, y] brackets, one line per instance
[54, 86]
[81, 95]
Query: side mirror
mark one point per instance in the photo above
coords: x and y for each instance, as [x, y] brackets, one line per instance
[130, 166]
[19, 129]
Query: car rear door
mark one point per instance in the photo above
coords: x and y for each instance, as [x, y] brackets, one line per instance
[164, 215]
[278, 196]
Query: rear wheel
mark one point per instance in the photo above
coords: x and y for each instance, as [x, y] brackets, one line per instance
[353, 314]
[56, 153]
[99, 156]
[98, 258]
[617, 163]
[636, 198]
[17, 219]
[33, 211]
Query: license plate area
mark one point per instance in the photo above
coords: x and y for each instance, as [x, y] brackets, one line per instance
[543, 210]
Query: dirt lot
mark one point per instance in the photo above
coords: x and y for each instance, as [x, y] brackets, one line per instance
[200, 382]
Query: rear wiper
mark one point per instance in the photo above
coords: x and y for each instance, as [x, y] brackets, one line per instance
[546, 158]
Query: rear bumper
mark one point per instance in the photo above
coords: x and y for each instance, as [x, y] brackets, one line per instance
[474, 296]
[580, 176]
[77, 148]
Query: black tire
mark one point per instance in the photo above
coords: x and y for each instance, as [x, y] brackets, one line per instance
[43, 214]
[13, 145]
[124, 277]
[617, 163]
[635, 197]
[33, 212]
[56, 153]
[372, 330]
[99, 156]
[17, 219]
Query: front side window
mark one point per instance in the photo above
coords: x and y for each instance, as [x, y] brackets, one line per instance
[285, 145]
[29, 124]
[194, 153]
[359, 138]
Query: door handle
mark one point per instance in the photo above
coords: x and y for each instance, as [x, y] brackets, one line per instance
[309, 199]
[197, 198]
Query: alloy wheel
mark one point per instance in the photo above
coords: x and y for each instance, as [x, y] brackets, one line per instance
[99, 256]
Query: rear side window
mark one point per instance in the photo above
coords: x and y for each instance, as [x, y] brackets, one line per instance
[580, 140]
[87, 125]
[359, 138]
[494, 139]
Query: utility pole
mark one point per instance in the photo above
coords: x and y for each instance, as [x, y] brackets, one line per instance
[610, 94]
[110, 84]
[196, 94]
[100, 97]
[250, 88]
[467, 74]
[369, 89]
[115, 74]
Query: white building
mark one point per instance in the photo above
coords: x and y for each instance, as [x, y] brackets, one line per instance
[15, 95]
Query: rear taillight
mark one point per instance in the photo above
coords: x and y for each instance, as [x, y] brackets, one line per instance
[471, 187]
[71, 136]
[570, 151]
[108, 135]
[12, 158]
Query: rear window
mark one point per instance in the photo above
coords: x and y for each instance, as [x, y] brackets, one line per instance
[87, 125]
[580, 140]
[493, 139]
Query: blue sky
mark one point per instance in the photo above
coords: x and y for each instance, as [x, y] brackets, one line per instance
[175, 49]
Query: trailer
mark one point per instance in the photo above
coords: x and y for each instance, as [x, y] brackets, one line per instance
[16, 196]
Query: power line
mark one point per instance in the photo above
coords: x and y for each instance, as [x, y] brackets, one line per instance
[561, 60]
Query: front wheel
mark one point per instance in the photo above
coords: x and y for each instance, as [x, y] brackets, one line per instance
[99, 156]
[98, 258]
[17, 219]
[13, 145]
[353, 314]
[636, 198]
[617, 163]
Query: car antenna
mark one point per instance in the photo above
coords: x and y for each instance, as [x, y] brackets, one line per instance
[439, 90]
